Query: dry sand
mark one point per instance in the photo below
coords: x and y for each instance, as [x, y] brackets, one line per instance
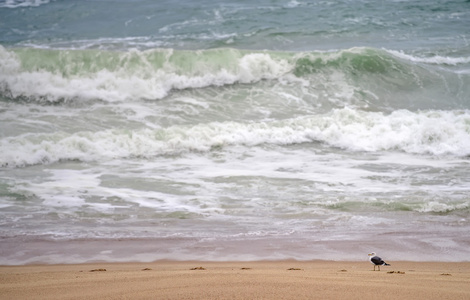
[237, 280]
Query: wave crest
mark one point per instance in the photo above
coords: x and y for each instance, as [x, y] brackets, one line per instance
[55, 75]
[433, 132]
[376, 76]
[23, 3]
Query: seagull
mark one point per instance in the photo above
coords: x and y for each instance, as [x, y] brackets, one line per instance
[376, 261]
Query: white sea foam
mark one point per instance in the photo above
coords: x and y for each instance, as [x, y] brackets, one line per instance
[433, 132]
[436, 59]
[124, 84]
[440, 207]
[22, 3]
[140, 42]
[292, 4]
[83, 75]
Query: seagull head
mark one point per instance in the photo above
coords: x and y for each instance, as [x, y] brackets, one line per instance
[372, 254]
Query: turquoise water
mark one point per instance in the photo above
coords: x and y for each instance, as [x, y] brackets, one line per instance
[217, 130]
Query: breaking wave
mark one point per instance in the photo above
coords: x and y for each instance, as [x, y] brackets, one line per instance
[432, 132]
[52, 75]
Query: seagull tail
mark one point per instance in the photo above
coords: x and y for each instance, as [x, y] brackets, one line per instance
[387, 264]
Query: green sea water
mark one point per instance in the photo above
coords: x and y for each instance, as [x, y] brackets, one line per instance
[234, 130]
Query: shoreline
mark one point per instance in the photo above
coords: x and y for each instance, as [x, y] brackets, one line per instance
[27, 250]
[286, 279]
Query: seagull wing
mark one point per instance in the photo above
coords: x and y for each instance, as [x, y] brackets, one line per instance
[377, 261]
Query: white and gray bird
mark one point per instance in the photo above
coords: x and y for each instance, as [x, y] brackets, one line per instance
[376, 261]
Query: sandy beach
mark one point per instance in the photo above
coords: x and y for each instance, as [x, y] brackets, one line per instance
[237, 280]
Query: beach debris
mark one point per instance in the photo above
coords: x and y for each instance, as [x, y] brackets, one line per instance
[294, 269]
[396, 272]
[446, 274]
[198, 268]
[343, 270]
[98, 270]
[245, 268]
[146, 269]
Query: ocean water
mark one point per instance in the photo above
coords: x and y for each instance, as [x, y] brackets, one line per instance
[234, 130]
